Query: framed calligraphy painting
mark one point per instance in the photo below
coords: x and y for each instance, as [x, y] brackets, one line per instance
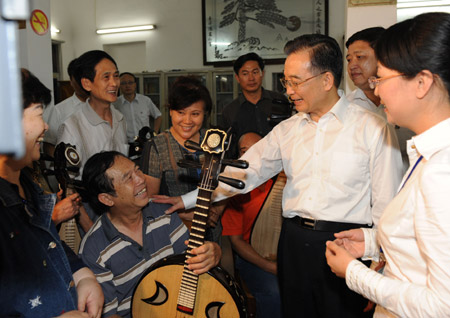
[232, 28]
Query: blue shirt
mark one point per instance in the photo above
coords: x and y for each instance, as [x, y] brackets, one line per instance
[35, 273]
[118, 261]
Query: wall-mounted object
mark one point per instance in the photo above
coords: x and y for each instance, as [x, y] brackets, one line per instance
[357, 3]
[127, 29]
[231, 29]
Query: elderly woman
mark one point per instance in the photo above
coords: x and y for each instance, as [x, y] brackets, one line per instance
[414, 230]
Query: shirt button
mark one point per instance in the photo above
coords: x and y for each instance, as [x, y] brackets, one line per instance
[51, 245]
[71, 284]
[44, 262]
[413, 146]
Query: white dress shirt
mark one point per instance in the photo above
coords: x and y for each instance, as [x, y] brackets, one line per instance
[414, 233]
[91, 134]
[403, 134]
[358, 97]
[345, 168]
[137, 113]
[55, 115]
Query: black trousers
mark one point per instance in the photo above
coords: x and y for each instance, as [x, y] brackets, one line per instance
[308, 287]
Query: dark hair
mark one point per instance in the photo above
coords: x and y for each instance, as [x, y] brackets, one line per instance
[71, 68]
[128, 73]
[86, 65]
[241, 60]
[420, 43]
[324, 52]
[369, 35]
[95, 180]
[33, 91]
[187, 90]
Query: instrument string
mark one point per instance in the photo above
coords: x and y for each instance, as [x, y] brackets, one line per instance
[206, 183]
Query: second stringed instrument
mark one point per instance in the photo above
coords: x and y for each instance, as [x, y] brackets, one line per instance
[66, 158]
[169, 288]
[267, 226]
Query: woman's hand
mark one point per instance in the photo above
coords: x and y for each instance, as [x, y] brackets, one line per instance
[337, 258]
[66, 208]
[352, 241]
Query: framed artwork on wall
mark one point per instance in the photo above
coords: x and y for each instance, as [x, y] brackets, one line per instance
[232, 28]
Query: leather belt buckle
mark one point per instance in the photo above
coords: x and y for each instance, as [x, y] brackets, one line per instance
[308, 223]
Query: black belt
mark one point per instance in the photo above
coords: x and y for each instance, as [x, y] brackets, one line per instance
[326, 226]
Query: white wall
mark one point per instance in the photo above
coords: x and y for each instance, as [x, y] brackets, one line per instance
[35, 50]
[175, 44]
[362, 17]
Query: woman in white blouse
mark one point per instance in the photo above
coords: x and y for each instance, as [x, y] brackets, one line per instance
[414, 230]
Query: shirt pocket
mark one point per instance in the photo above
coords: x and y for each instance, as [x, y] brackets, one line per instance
[349, 169]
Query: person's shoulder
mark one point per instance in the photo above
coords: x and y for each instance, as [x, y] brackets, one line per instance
[351, 96]
[362, 113]
[157, 212]
[276, 95]
[95, 238]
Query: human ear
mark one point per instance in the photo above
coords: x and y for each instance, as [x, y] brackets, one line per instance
[328, 81]
[424, 80]
[105, 198]
[86, 83]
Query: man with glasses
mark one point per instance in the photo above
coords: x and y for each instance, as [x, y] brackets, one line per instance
[138, 109]
[252, 110]
[342, 165]
[362, 68]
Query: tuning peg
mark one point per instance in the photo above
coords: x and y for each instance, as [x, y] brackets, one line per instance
[235, 163]
[238, 184]
[192, 145]
[73, 169]
[189, 164]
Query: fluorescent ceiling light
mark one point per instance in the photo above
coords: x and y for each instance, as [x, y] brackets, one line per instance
[127, 29]
[55, 30]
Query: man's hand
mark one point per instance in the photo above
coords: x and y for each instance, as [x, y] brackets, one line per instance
[352, 241]
[207, 256]
[90, 294]
[66, 208]
[177, 203]
[337, 258]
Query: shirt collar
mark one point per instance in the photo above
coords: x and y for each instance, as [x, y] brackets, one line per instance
[339, 110]
[94, 119]
[432, 140]
[264, 95]
[110, 230]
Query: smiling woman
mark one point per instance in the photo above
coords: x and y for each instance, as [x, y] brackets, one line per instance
[414, 230]
[29, 285]
[189, 103]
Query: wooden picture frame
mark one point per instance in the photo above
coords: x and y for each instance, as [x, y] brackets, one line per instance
[262, 27]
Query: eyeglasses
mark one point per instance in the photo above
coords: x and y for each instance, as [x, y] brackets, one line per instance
[285, 83]
[375, 81]
[127, 83]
